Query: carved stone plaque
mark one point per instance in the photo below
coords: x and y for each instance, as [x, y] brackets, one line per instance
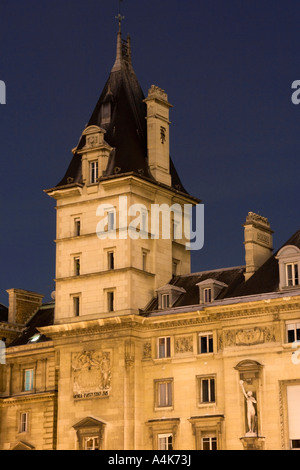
[91, 374]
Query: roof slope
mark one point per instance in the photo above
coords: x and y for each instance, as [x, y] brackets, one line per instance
[126, 131]
[43, 317]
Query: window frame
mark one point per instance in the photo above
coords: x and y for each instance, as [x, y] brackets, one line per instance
[23, 426]
[165, 304]
[76, 305]
[166, 347]
[209, 342]
[296, 330]
[210, 442]
[77, 226]
[169, 445]
[164, 393]
[93, 171]
[293, 280]
[30, 387]
[77, 265]
[211, 399]
[111, 260]
[110, 295]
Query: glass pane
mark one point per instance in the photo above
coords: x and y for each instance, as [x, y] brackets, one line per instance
[291, 336]
[205, 395]
[210, 347]
[295, 444]
[205, 443]
[296, 275]
[169, 398]
[168, 345]
[212, 390]
[214, 443]
[162, 394]
[161, 347]
[203, 344]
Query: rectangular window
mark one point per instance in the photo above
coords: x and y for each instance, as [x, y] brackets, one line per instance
[77, 266]
[76, 306]
[207, 295]
[144, 260]
[92, 443]
[28, 380]
[206, 343]
[110, 301]
[110, 220]
[293, 332]
[23, 422]
[111, 260]
[164, 347]
[76, 227]
[94, 172]
[207, 390]
[164, 393]
[165, 441]
[292, 274]
[165, 300]
[295, 444]
[209, 443]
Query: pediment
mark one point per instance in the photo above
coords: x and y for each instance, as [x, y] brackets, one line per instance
[88, 422]
[23, 446]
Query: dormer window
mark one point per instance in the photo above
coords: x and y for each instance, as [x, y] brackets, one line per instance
[288, 263]
[168, 294]
[292, 276]
[209, 290]
[105, 112]
[94, 172]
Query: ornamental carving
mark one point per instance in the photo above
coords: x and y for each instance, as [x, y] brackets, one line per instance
[147, 350]
[91, 374]
[247, 337]
[184, 344]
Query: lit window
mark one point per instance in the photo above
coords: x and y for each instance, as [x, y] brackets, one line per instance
[76, 227]
[28, 380]
[164, 393]
[207, 295]
[94, 172]
[23, 422]
[209, 443]
[293, 332]
[92, 443]
[292, 276]
[110, 301]
[205, 343]
[165, 441]
[164, 347]
[207, 390]
[76, 306]
[77, 266]
[111, 260]
[165, 300]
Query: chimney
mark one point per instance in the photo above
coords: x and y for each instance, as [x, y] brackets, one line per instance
[22, 305]
[258, 242]
[158, 134]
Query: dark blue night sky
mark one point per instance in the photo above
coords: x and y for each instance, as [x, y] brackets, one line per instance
[227, 67]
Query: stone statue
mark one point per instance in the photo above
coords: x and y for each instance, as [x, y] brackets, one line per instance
[251, 413]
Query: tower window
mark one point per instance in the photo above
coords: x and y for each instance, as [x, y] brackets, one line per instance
[110, 301]
[111, 260]
[77, 266]
[76, 306]
[94, 172]
[77, 227]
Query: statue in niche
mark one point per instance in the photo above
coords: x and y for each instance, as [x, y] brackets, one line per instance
[251, 413]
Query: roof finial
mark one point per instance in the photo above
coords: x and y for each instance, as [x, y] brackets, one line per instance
[120, 18]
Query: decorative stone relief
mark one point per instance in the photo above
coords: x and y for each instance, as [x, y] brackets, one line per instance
[147, 350]
[184, 344]
[248, 336]
[91, 374]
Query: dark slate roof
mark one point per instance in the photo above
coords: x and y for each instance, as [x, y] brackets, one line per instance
[3, 313]
[43, 317]
[230, 276]
[126, 132]
[266, 278]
